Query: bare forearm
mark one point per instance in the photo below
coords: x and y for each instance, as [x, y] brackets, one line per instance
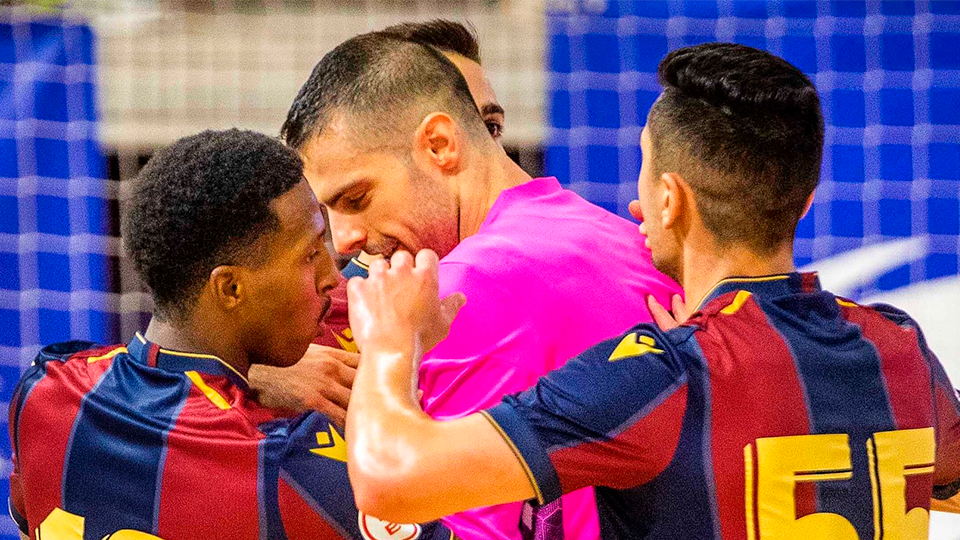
[404, 466]
[387, 432]
[407, 467]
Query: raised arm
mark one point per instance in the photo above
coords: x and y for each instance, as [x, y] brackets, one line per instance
[403, 465]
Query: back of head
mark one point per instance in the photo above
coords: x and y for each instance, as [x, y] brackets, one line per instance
[381, 87]
[441, 34]
[202, 202]
[744, 128]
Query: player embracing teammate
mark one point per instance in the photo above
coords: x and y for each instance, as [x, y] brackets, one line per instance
[777, 410]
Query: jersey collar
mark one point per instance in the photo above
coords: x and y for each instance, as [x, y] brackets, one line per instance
[770, 286]
[153, 355]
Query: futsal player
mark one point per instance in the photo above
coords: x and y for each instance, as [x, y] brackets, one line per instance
[321, 380]
[777, 410]
[160, 435]
[394, 146]
[459, 45]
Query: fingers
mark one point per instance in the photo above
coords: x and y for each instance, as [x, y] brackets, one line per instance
[335, 394]
[401, 260]
[660, 315]
[336, 413]
[427, 259]
[350, 359]
[680, 311]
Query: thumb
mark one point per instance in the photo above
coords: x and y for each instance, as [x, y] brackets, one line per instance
[450, 306]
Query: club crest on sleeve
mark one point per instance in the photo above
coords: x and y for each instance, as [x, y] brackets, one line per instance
[633, 345]
[377, 529]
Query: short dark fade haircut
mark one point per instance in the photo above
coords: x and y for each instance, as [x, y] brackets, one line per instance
[744, 128]
[445, 35]
[202, 202]
[384, 86]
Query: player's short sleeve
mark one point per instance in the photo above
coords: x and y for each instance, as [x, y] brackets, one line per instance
[947, 405]
[610, 417]
[946, 401]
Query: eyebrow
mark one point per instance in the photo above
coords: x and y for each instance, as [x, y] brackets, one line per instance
[332, 201]
[492, 108]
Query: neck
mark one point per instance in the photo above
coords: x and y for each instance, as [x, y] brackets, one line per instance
[190, 337]
[478, 197]
[702, 270]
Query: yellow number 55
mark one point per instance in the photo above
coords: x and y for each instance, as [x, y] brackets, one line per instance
[783, 462]
[61, 525]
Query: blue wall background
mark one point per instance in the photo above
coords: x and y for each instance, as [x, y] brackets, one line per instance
[889, 76]
[55, 267]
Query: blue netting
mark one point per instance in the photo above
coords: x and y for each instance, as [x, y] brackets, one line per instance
[889, 75]
[55, 262]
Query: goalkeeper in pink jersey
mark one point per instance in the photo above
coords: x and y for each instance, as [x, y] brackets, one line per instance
[395, 147]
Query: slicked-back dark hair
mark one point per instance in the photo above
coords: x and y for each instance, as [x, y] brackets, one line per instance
[384, 86]
[202, 202]
[445, 35]
[744, 128]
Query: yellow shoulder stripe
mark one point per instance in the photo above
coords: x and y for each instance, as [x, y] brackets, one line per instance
[107, 356]
[632, 345]
[211, 394]
[738, 302]
[845, 303]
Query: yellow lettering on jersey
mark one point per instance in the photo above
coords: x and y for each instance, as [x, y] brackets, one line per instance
[782, 463]
[900, 454]
[346, 341]
[631, 346]
[331, 445]
[62, 525]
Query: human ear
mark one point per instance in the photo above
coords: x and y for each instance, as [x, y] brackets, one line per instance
[672, 199]
[228, 286]
[438, 138]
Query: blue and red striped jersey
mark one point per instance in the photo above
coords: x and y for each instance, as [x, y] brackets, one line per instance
[171, 444]
[777, 411]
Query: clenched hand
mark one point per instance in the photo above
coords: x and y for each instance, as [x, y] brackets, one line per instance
[399, 305]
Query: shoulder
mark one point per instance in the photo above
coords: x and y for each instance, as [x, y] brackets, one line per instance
[61, 352]
[78, 361]
[642, 347]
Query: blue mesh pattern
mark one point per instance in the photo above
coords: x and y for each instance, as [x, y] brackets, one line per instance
[888, 73]
[56, 253]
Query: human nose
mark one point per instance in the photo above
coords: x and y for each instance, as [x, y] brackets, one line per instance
[348, 235]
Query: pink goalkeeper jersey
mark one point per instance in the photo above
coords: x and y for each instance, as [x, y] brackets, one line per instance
[547, 275]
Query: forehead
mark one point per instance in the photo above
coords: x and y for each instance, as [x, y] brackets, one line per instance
[332, 163]
[298, 212]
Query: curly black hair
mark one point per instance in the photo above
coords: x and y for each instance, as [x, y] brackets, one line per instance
[200, 203]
